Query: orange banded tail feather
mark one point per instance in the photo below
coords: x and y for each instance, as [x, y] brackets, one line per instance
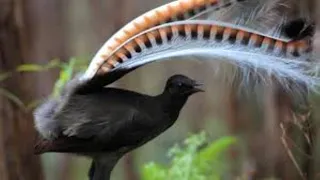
[285, 60]
[265, 16]
[175, 11]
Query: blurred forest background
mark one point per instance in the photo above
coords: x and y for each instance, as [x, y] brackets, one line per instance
[272, 141]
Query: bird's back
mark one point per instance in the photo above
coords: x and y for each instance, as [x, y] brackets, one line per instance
[106, 120]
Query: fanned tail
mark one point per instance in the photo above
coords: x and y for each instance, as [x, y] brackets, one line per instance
[284, 60]
[175, 11]
[270, 38]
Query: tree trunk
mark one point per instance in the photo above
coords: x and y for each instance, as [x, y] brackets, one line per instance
[16, 126]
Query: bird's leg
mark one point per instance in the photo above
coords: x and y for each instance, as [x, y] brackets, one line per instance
[101, 168]
[91, 170]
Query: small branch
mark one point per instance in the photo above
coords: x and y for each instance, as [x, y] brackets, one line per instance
[297, 119]
[289, 152]
[299, 149]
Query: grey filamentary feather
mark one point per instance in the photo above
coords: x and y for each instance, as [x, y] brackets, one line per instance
[265, 16]
[284, 66]
[269, 17]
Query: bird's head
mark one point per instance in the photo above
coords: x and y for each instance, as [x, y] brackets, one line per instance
[180, 85]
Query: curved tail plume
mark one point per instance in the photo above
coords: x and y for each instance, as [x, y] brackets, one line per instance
[175, 11]
[258, 36]
[284, 59]
[265, 16]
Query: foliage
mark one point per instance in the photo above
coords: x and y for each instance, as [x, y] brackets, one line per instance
[197, 160]
[37, 67]
[67, 70]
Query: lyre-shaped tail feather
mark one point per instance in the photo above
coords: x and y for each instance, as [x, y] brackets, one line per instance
[286, 60]
[175, 11]
[265, 16]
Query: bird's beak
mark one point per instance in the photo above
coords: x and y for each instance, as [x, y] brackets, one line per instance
[196, 87]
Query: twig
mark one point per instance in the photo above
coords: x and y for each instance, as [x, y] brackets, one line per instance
[299, 149]
[290, 154]
[297, 121]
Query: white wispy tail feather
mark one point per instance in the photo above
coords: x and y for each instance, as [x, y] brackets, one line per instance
[284, 67]
[265, 16]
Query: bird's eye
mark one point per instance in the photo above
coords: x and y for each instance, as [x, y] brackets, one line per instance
[180, 84]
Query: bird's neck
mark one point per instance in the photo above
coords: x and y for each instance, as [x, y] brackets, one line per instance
[172, 103]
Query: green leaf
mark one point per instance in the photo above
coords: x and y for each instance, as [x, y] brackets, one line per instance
[215, 148]
[65, 75]
[212, 152]
[54, 63]
[153, 171]
[30, 68]
[192, 161]
[12, 97]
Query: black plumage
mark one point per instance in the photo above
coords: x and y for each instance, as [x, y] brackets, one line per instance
[107, 123]
[299, 29]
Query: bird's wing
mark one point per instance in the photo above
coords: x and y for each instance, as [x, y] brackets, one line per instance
[251, 39]
[101, 135]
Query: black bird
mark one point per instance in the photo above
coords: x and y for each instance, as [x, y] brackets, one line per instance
[106, 123]
[109, 122]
